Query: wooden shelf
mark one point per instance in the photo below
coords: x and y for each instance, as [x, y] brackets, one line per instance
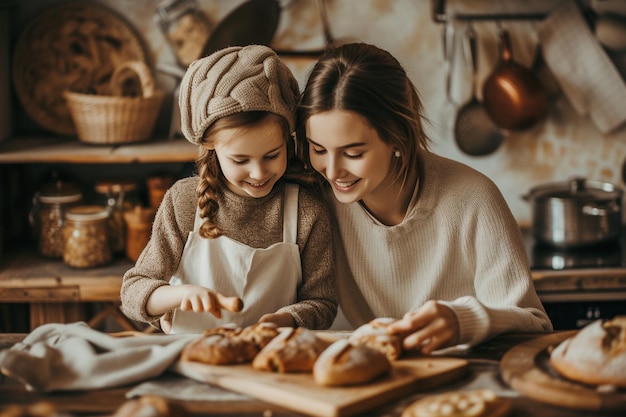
[57, 293]
[26, 276]
[21, 150]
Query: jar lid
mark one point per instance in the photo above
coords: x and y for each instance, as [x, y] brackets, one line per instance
[578, 189]
[87, 213]
[59, 192]
[115, 186]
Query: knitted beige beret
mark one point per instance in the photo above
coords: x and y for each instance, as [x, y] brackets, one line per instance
[233, 80]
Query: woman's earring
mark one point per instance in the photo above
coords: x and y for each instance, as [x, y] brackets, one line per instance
[397, 154]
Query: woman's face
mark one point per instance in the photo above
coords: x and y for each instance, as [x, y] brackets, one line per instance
[350, 154]
[252, 158]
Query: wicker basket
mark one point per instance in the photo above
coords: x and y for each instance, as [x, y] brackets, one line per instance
[116, 119]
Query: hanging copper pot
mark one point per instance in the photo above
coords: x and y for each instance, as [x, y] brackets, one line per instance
[512, 95]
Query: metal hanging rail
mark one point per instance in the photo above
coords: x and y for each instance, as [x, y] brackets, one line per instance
[441, 14]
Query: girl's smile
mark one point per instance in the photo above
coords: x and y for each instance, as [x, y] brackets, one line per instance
[252, 159]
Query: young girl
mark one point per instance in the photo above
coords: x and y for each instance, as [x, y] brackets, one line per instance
[421, 238]
[242, 227]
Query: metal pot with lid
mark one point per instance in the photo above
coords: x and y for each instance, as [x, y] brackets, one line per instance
[576, 213]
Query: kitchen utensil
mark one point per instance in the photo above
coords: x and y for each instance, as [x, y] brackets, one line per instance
[299, 392]
[576, 213]
[474, 132]
[512, 95]
[253, 22]
[610, 29]
[75, 46]
[526, 369]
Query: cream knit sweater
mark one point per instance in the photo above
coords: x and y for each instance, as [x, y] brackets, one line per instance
[459, 244]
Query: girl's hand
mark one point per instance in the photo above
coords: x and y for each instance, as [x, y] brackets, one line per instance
[166, 323]
[280, 319]
[433, 326]
[200, 300]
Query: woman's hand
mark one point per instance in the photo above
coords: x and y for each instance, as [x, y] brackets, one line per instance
[280, 319]
[433, 326]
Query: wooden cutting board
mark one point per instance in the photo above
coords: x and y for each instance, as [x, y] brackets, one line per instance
[526, 368]
[300, 393]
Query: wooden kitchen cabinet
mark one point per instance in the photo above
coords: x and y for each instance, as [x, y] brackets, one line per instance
[54, 291]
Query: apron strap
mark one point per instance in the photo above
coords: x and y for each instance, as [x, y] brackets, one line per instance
[290, 213]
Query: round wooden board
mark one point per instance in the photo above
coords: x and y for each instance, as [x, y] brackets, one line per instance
[73, 46]
[526, 368]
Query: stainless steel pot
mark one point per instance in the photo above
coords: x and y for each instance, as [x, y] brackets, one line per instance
[576, 213]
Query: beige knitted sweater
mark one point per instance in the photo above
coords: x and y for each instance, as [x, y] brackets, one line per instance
[256, 222]
[459, 243]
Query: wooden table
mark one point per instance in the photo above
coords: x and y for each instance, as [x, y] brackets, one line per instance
[58, 293]
[484, 373]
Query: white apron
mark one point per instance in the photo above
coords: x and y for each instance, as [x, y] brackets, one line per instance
[265, 279]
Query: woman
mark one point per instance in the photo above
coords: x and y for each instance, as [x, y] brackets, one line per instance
[419, 237]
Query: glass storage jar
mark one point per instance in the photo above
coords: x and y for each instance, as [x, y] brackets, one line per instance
[48, 213]
[119, 197]
[185, 27]
[86, 236]
[139, 227]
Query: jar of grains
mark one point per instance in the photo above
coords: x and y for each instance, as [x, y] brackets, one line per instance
[48, 214]
[118, 197]
[86, 235]
[185, 27]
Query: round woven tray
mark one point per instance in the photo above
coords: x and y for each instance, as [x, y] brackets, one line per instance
[73, 46]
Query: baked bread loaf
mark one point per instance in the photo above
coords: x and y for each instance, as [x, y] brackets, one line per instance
[229, 345]
[476, 403]
[343, 363]
[595, 355]
[293, 350]
[374, 334]
[150, 406]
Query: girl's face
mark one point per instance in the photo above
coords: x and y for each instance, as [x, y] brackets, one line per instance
[252, 158]
[352, 157]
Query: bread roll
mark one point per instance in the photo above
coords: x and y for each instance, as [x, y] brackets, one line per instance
[595, 355]
[374, 334]
[343, 363]
[293, 350]
[476, 403]
[229, 345]
[150, 406]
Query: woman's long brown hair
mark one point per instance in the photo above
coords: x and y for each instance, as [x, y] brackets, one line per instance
[369, 81]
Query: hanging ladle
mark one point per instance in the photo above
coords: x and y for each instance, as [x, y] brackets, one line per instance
[474, 131]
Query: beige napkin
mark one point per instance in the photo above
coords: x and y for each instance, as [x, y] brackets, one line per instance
[63, 357]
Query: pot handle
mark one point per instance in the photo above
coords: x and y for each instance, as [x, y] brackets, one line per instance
[591, 210]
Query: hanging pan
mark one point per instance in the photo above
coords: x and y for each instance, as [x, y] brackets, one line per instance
[474, 132]
[253, 22]
[513, 96]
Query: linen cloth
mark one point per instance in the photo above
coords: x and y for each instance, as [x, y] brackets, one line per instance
[65, 357]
